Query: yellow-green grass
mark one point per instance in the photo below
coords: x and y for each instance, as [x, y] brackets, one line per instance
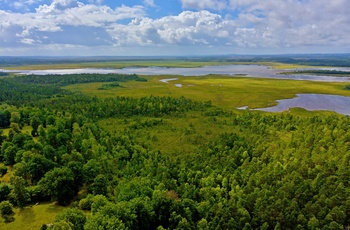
[223, 91]
[26, 129]
[146, 63]
[32, 217]
[7, 177]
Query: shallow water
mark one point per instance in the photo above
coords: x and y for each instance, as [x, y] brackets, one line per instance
[168, 79]
[312, 102]
[232, 70]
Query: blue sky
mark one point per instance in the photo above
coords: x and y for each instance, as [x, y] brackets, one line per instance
[173, 27]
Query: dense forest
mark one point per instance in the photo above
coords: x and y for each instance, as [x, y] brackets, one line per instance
[263, 171]
[320, 72]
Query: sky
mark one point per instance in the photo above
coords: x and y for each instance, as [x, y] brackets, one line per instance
[173, 27]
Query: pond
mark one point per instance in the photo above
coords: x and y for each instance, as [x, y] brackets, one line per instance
[312, 102]
[231, 70]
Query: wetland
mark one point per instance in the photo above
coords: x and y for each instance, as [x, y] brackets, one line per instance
[251, 70]
[313, 102]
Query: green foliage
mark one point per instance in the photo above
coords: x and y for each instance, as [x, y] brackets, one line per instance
[109, 86]
[8, 151]
[85, 203]
[90, 170]
[6, 211]
[3, 170]
[106, 222]
[73, 216]
[59, 184]
[38, 166]
[5, 190]
[6, 208]
[332, 72]
[69, 79]
[19, 193]
[61, 225]
[5, 117]
[99, 201]
[99, 186]
[31, 88]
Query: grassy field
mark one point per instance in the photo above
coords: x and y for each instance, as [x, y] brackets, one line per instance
[223, 91]
[33, 217]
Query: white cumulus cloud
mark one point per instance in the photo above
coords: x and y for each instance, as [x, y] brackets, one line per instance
[63, 22]
[205, 4]
[187, 28]
[245, 24]
[149, 3]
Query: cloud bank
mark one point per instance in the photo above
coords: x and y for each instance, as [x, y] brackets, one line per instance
[251, 25]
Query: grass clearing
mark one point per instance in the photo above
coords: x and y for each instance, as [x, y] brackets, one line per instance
[26, 129]
[174, 136]
[33, 217]
[7, 177]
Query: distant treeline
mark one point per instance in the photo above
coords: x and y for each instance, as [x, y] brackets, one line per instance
[31, 88]
[300, 59]
[319, 71]
[69, 79]
[327, 61]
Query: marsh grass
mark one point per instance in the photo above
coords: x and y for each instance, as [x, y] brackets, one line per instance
[149, 63]
[223, 91]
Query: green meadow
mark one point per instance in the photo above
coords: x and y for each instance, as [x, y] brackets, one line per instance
[33, 216]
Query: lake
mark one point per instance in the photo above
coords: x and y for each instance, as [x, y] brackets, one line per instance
[312, 102]
[258, 71]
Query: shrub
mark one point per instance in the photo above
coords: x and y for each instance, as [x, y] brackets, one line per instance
[3, 170]
[73, 216]
[85, 203]
[6, 211]
[5, 190]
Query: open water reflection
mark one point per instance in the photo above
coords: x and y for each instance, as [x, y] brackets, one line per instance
[232, 70]
[311, 102]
